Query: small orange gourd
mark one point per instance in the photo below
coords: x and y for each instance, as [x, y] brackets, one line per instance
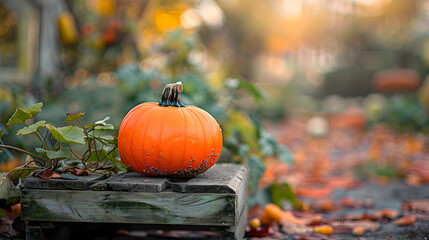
[169, 138]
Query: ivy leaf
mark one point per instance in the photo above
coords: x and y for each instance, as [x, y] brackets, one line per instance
[284, 154]
[102, 122]
[69, 134]
[107, 126]
[34, 109]
[243, 149]
[97, 155]
[33, 128]
[22, 172]
[252, 89]
[267, 143]
[119, 165]
[101, 125]
[261, 197]
[41, 150]
[283, 192]
[257, 169]
[9, 195]
[74, 116]
[103, 137]
[62, 153]
[19, 116]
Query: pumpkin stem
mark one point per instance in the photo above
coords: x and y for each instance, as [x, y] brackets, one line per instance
[170, 95]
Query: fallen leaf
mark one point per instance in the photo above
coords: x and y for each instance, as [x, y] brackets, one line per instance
[405, 221]
[56, 175]
[80, 172]
[293, 228]
[45, 174]
[386, 213]
[421, 206]
[323, 205]
[313, 192]
[272, 213]
[324, 229]
[349, 225]
[255, 211]
[348, 202]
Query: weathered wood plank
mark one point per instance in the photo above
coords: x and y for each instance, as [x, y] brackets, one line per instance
[221, 178]
[237, 231]
[83, 183]
[129, 207]
[241, 194]
[131, 182]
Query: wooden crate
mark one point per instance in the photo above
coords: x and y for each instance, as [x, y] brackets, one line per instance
[215, 200]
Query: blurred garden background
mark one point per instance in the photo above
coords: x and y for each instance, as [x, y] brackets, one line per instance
[314, 96]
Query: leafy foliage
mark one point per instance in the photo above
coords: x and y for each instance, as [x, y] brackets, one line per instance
[283, 192]
[19, 117]
[73, 117]
[58, 146]
[406, 113]
[33, 128]
[70, 134]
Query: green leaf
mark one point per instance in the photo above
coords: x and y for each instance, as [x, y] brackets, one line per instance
[74, 116]
[283, 192]
[284, 154]
[69, 134]
[34, 109]
[256, 92]
[9, 195]
[243, 149]
[19, 116]
[267, 143]
[107, 126]
[103, 122]
[1, 133]
[96, 155]
[103, 137]
[256, 171]
[33, 128]
[120, 167]
[22, 172]
[101, 125]
[62, 153]
[262, 197]
[69, 176]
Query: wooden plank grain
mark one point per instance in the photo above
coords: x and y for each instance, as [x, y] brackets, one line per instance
[131, 182]
[166, 207]
[241, 194]
[82, 183]
[221, 178]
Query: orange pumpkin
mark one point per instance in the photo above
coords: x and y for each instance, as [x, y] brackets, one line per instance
[396, 80]
[169, 138]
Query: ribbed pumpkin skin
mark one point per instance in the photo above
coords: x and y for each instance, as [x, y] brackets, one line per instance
[169, 141]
